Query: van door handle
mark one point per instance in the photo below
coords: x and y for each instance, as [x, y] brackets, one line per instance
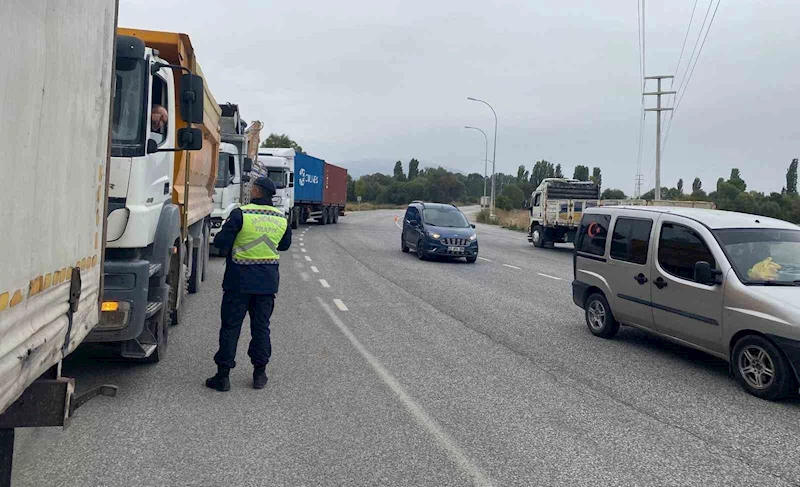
[641, 279]
[660, 283]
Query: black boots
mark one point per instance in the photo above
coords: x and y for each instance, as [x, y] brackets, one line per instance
[259, 378]
[221, 381]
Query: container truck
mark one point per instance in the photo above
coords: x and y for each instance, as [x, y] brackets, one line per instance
[557, 205]
[233, 168]
[161, 178]
[308, 187]
[56, 92]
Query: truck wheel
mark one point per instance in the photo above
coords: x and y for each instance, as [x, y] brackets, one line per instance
[761, 368]
[206, 250]
[294, 218]
[335, 214]
[176, 279]
[537, 235]
[159, 327]
[195, 270]
[323, 217]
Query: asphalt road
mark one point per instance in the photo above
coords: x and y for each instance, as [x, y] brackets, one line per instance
[392, 371]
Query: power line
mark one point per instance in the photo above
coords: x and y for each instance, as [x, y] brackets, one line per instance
[686, 86]
[683, 48]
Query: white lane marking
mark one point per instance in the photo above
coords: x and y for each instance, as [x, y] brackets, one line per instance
[324, 283]
[301, 239]
[308, 258]
[303, 250]
[450, 447]
[314, 269]
[513, 267]
[295, 256]
[550, 277]
[305, 276]
[339, 304]
[302, 244]
[484, 258]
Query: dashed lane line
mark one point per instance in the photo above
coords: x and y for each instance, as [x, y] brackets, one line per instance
[303, 250]
[308, 258]
[324, 283]
[484, 258]
[550, 277]
[339, 304]
[457, 455]
[305, 276]
[314, 269]
[513, 267]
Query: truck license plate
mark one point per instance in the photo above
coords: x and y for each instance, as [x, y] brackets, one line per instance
[455, 250]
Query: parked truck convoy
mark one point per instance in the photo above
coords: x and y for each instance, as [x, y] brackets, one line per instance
[308, 187]
[107, 212]
[557, 204]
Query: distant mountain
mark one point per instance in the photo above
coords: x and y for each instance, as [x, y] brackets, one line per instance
[356, 169]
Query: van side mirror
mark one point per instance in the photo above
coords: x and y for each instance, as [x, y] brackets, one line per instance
[190, 139]
[703, 273]
[247, 165]
[152, 146]
[192, 92]
[472, 225]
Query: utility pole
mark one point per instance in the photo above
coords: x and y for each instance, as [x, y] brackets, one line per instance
[658, 111]
[637, 192]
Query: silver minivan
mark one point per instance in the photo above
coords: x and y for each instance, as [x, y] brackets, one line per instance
[722, 282]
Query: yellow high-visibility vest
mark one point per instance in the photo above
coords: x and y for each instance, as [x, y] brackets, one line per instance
[262, 229]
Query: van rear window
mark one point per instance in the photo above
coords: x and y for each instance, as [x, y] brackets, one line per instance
[593, 234]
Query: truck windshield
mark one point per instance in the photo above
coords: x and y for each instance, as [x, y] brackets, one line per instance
[127, 124]
[763, 256]
[276, 175]
[443, 217]
[223, 173]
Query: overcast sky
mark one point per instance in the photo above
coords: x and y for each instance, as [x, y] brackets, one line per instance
[387, 80]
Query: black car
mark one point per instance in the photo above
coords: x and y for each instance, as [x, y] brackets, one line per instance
[438, 230]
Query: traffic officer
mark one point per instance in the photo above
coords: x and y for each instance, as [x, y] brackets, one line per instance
[251, 239]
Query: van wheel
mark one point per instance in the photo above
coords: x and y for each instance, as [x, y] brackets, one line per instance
[537, 236]
[403, 245]
[599, 318]
[761, 368]
[472, 260]
[420, 250]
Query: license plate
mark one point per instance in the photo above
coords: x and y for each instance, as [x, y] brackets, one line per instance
[455, 250]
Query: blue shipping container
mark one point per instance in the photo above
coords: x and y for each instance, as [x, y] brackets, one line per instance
[308, 179]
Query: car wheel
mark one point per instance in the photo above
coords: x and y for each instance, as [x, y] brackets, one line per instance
[761, 368]
[420, 250]
[599, 318]
[537, 235]
[403, 245]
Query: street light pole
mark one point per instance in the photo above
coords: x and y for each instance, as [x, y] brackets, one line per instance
[494, 151]
[485, 159]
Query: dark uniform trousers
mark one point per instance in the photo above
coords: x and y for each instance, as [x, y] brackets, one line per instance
[234, 306]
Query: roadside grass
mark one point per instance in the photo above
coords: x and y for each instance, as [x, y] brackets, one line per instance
[372, 206]
[516, 220]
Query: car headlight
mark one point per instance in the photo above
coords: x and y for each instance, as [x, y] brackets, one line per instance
[473, 237]
[434, 234]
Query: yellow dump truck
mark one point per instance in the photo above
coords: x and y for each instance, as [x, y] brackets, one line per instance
[164, 139]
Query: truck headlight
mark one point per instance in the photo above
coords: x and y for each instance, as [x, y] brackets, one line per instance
[115, 315]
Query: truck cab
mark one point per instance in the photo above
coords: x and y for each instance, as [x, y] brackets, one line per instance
[555, 209]
[278, 165]
[232, 174]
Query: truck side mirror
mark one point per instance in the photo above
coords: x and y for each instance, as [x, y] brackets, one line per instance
[527, 204]
[192, 92]
[152, 146]
[190, 139]
[703, 273]
[247, 165]
[245, 178]
[291, 180]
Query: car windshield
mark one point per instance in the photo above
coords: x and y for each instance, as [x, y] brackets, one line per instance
[763, 256]
[445, 217]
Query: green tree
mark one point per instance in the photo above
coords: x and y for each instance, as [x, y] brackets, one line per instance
[351, 189]
[697, 185]
[597, 177]
[504, 203]
[522, 174]
[541, 170]
[745, 203]
[680, 186]
[581, 173]
[558, 173]
[613, 194]
[791, 178]
[280, 141]
[399, 175]
[737, 181]
[515, 195]
[413, 169]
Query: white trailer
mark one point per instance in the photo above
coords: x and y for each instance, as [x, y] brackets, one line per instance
[55, 93]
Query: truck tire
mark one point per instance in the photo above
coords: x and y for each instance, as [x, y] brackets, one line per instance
[336, 215]
[159, 327]
[206, 250]
[294, 218]
[194, 271]
[176, 280]
[537, 236]
[323, 217]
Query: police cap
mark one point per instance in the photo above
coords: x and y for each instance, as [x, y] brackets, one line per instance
[266, 184]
